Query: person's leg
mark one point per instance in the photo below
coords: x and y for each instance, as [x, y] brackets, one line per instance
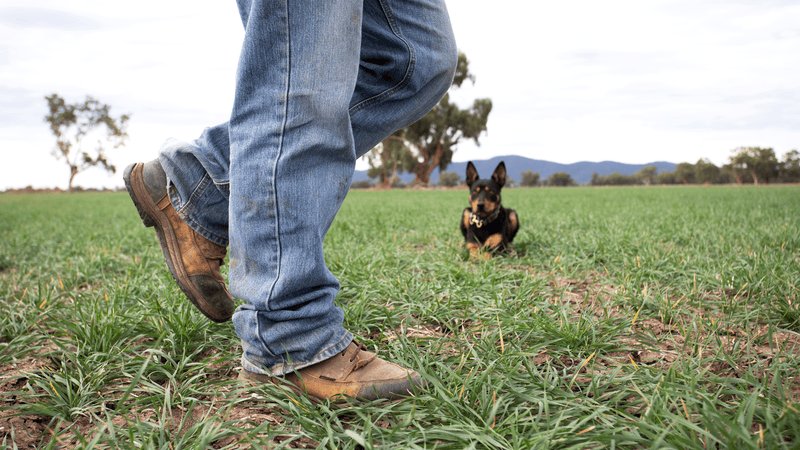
[292, 158]
[293, 146]
[293, 153]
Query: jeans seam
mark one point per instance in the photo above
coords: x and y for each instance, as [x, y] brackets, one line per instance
[387, 12]
[278, 156]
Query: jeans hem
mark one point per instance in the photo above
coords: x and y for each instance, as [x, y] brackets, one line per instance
[185, 211]
[284, 368]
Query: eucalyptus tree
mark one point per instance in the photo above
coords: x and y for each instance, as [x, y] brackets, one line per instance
[760, 163]
[73, 123]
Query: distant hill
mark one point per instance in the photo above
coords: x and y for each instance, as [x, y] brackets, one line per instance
[581, 172]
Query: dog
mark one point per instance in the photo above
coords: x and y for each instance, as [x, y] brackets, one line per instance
[486, 223]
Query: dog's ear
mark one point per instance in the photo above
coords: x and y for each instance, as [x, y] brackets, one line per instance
[499, 175]
[472, 174]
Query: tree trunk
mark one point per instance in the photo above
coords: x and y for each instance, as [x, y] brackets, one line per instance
[72, 172]
[388, 178]
[429, 162]
[423, 174]
[755, 177]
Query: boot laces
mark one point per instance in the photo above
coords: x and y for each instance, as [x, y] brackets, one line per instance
[360, 362]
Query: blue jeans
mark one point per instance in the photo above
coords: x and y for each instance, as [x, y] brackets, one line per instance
[319, 84]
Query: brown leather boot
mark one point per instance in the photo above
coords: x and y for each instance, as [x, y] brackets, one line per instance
[193, 260]
[355, 372]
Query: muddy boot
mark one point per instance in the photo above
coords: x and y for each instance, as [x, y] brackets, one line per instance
[193, 260]
[354, 372]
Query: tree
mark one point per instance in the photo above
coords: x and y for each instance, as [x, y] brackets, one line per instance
[706, 172]
[388, 159]
[739, 174]
[560, 179]
[725, 175]
[72, 123]
[646, 175]
[431, 141]
[666, 178]
[684, 173]
[761, 163]
[449, 179]
[529, 178]
[790, 167]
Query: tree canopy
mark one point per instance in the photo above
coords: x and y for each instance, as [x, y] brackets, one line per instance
[529, 178]
[449, 179]
[706, 172]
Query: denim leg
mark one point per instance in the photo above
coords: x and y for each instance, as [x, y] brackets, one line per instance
[317, 86]
[292, 159]
[408, 60]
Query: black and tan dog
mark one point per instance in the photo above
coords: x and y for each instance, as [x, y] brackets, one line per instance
[486, 223]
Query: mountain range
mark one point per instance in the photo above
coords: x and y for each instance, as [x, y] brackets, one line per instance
[581, 172]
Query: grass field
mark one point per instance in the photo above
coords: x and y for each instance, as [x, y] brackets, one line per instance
[626, 318]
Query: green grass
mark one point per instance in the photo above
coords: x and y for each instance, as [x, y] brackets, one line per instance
[662, 317]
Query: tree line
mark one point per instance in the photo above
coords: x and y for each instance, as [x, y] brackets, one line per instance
[746, 165]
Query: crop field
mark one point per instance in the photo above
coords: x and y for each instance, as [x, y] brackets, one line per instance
[625, 318]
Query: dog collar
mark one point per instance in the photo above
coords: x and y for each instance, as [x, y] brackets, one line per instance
[478, 222]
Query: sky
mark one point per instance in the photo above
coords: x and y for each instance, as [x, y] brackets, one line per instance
[620, 80]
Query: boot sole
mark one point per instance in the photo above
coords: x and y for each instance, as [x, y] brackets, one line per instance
[153, 217]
